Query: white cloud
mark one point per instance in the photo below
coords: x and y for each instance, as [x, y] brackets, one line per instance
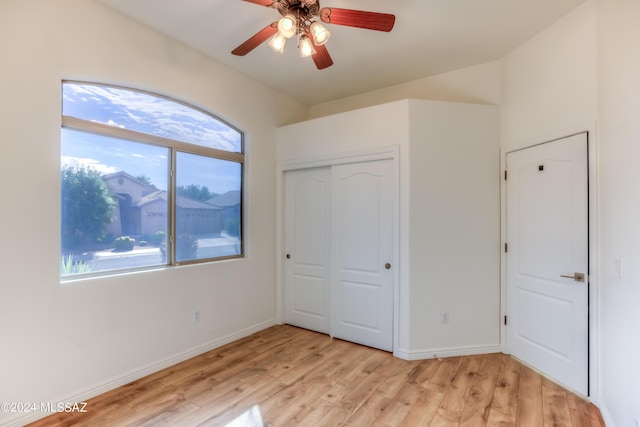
[110, 122]
[87, 163]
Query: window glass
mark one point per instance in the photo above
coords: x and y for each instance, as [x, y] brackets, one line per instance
[151, 114]
[122, 207]
[114, 203]
[207, 207]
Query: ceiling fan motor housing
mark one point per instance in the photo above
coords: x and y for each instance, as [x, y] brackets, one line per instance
[303, 9]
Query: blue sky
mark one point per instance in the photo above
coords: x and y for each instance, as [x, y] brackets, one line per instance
[153, 115]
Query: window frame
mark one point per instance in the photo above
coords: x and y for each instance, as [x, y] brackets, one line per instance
[174, 146]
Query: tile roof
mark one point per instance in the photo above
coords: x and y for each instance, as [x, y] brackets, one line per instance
[181, 201]
[230, 198]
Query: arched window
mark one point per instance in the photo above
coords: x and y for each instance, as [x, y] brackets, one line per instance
[145, 181]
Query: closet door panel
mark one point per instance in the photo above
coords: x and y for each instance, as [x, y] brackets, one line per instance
[362, 285]
[307, 268]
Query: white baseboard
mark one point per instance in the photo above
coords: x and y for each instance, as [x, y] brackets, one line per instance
[446, 352]
[97, 389]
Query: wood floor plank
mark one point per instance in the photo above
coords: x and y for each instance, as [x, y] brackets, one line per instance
[287, 376]
[423, 410]
[168, 418]
[444, 375]
[529, 412]
[583, 413]
[367, 414]
[246, 406]
[400, 405]
[455, 398]
[299, 398]
[396, 373]
[554, 403]
[478, 404]
[357, 366]
[314, 353]
[424, 372]
[505, 397]
[315, 385]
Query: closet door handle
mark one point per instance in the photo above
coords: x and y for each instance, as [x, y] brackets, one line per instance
[387, 266]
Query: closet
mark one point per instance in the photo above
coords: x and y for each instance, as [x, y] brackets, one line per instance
[339, 234]
[431, 230]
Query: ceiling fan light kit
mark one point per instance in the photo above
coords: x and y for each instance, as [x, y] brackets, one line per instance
[287, 26]
[300, 17]
[306, 47]
[320, 33]
[277, 43]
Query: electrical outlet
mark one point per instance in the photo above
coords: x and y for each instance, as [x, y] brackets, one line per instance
[196, 316]
[444, 317]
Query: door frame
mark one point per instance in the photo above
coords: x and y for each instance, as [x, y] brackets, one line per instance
[391, 152]
[594, 283]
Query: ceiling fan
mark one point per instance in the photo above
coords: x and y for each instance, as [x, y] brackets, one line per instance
[300, 18]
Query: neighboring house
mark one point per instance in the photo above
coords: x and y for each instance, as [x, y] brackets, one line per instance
[142, 209]
[196, 217]
[229, 202]
[129, 192]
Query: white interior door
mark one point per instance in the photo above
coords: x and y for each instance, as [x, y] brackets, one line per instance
[307, 227]
[547, 259]
[362, 253]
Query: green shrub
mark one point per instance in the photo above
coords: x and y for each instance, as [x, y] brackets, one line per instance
[124, 243]
[232, 226]
[154, 239]
[69, 265]
[186, 248]
[163, 251]
[157, 238]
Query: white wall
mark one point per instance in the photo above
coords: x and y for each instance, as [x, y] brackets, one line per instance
[550, 82]
[619, 207]
[479, 84]
[454, 228]
[72, 340]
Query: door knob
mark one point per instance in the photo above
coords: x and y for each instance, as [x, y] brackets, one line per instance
[578, 277]
[387, 266]
[288, 256]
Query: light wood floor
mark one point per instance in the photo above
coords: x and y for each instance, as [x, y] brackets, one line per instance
[286, 376]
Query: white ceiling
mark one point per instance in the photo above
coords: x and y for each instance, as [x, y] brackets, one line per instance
[429, 37]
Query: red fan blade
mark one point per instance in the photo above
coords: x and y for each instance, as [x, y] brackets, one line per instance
[322, 58]
[261, 2]
[255, 40]
[358, 18]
